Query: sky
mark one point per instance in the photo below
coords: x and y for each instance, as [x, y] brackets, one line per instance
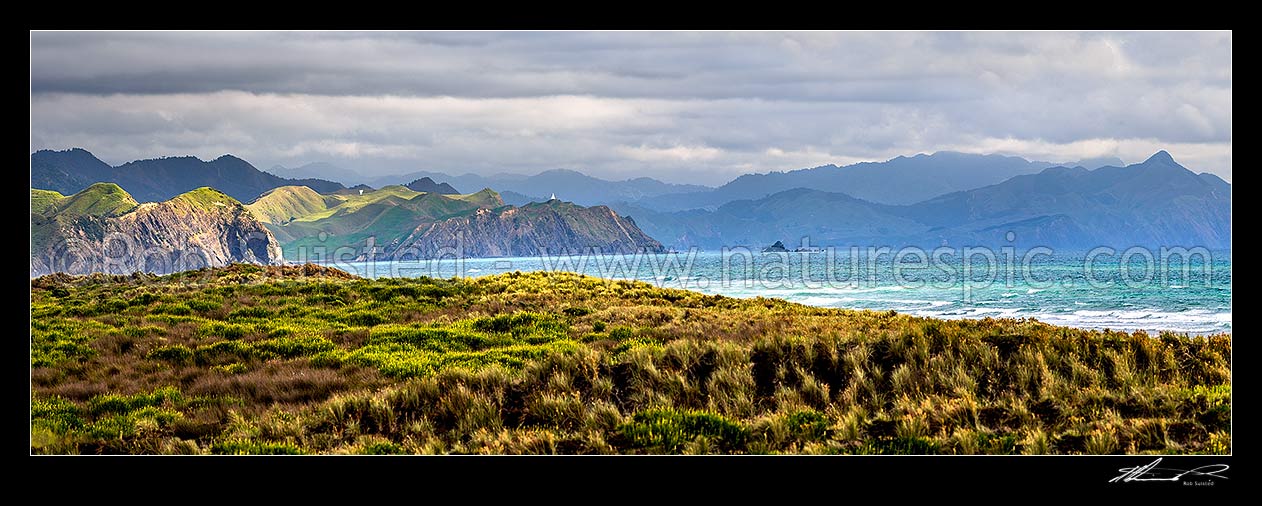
[683, 107]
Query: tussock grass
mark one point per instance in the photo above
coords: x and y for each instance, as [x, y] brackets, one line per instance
[302, 360]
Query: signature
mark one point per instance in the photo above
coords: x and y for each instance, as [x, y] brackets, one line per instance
[1151, 472]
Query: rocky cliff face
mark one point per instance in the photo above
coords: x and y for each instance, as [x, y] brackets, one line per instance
[201, 228]
[552, 227]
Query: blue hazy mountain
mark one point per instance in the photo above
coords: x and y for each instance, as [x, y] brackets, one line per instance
[902, 180]
[159, 179]
[1154, 203]
[568, 185]
[428, 185]
[320, 170]
[513, 198]
[827, 218]
[68, 172]
[1097, 162]
[1157, 202]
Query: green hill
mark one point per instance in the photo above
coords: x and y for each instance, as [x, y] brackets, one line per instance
[288, 203]
[401, 222]
[44, 200]
[100, 199]
[302, 219]
[485, 198]
[206, 198]
[51, 211]
[103, 229]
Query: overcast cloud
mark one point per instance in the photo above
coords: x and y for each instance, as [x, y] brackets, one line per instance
[679, 106]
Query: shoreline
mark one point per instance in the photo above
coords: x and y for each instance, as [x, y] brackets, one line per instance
[1201, 321]
[979, 310]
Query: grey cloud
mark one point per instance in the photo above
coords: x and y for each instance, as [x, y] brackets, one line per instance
[682, 106]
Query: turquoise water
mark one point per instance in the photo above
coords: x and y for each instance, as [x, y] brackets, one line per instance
[1062, 289]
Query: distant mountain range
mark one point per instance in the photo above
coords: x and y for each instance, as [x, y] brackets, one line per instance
[159, 179]
[516, 199]
[569, 185]
[104, 229]
[902, 180]
[427, 185]
[1154, 203]
[320, 170]
[929, 200]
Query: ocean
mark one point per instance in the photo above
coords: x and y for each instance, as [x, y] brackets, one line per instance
[1148, 290]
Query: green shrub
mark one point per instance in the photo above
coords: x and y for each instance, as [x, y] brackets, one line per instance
[290, 347]
[175, 308]
[380, 447]
[177, 354]
[638, 342]
[144, 299]
[245, 447]
[524, 325]
[61, 342]
[203, 305]
[143, 331]
[436, 338]
[111, 306]
[666, 430]
[331, 358]
[363, 318]
[621, 333]
[406, 361]
[233, 368]
[918, 445]
[807, 425]
[115, 426]
[325, 300]
[250, 312]
[224, 330]
[56, 414]
[122, 404]
[232, 351]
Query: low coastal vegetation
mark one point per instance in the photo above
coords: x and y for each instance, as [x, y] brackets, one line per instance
[308, 360]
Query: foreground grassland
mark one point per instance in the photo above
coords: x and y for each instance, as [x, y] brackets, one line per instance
[302, 360]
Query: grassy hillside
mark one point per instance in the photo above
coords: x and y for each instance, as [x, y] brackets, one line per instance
[44, 200]
[485, 198]
[108, 200]
[287, 203]
[205, 198]
[100, 199]
[75, 229]
[346, 204]
[50, 209]
[259, 360]
[297, 215]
